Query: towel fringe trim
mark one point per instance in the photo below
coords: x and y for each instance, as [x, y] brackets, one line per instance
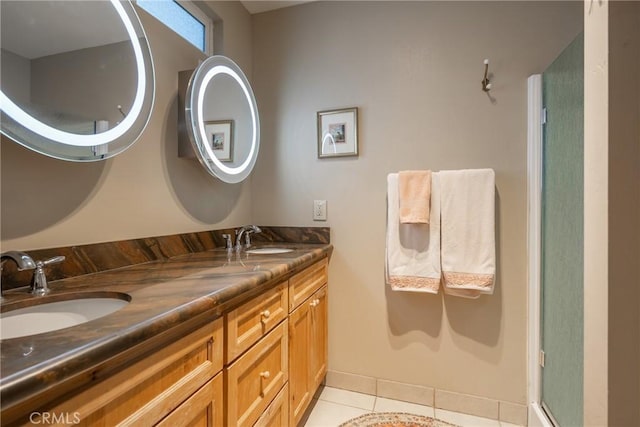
[470, 281]
[407, 283]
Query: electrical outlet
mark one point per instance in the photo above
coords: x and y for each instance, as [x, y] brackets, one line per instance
[319, 210]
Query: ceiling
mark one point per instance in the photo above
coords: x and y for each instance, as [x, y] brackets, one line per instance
[259, 6]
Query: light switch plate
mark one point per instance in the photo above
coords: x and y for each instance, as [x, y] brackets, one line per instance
[319, 210]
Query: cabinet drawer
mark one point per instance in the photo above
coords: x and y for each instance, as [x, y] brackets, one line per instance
[277, 414]
[256, 377]
[305, 283]
[148, 390]
[204, 408]
[254, 319]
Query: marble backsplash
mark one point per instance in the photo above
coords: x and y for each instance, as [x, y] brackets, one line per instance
[97, 257]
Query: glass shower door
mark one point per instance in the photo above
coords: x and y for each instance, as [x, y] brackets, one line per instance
[562, 238]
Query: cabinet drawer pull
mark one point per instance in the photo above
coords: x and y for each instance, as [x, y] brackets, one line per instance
[314, 303]
[263, 376]
[265, 314]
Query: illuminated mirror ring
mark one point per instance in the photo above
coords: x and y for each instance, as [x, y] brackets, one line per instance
[195, 114]
[39, 136]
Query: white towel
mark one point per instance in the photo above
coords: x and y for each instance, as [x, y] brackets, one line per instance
[467, 212]
[413, 250]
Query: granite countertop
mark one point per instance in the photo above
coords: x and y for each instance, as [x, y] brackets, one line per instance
[164, 294]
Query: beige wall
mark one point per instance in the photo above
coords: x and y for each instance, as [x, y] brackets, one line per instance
[414, 70]
[235, 40]
[612, 214]
[624, 213]
[146, 190]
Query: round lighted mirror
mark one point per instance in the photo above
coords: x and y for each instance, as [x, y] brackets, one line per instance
[77, 77]
[222, 119]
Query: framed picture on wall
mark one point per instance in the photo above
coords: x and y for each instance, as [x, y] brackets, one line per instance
[338, 133]
[220, 138]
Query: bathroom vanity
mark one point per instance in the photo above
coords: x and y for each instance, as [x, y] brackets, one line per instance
[209, 338]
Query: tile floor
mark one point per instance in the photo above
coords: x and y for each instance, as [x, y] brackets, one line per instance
[334, 406]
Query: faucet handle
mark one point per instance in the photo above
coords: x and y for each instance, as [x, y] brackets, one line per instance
[39, 286]
[55, 260]
[228, 244]
[247, 238]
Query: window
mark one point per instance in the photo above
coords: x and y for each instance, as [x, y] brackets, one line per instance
[185, 18]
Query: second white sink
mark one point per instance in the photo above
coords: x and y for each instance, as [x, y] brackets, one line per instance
[269, 251]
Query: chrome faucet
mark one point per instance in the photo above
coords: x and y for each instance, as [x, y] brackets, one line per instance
[22, 260]
[245, 231]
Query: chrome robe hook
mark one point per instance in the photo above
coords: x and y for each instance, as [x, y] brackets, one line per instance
[486, 84]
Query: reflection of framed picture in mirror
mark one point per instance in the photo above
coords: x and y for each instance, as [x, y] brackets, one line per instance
[220, 138]
[338, 133]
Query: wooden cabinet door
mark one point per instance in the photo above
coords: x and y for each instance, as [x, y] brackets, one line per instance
[203, 409]
[299, 367]
[319, 334]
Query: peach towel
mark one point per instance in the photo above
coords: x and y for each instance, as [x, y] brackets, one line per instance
[467, 209]
[414, 193]
[412, 250]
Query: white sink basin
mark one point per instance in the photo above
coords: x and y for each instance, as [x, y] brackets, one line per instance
[269, 251]
[52, 316]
